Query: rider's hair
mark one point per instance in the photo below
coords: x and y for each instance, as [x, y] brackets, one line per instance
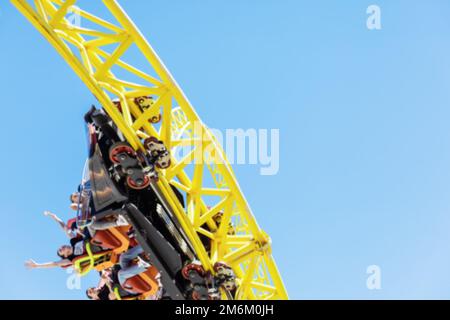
[87, 294]
[73, 195]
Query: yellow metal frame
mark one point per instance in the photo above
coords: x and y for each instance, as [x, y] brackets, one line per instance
[118, 296]
[96, 51]
[79, 264]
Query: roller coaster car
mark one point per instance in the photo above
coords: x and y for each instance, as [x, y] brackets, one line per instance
[122, 180]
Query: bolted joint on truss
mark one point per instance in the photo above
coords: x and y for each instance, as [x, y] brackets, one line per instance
[264, 245]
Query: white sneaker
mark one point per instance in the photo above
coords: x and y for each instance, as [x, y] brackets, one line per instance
[142, 264]
[121, 221]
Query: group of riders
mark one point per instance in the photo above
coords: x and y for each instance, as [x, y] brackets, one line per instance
[113, 280]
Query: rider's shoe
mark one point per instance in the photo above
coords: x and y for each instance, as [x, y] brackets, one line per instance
[142, 264]
[121, 221]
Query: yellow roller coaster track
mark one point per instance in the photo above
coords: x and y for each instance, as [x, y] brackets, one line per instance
[96, 49]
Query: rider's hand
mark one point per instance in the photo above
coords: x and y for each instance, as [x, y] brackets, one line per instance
[106, 275]
[48, 214]
[30, 264]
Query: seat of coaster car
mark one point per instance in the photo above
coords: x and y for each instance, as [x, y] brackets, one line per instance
[144, 283]
[115, 239]
[106, 246]
[106, 239]
[112, 238]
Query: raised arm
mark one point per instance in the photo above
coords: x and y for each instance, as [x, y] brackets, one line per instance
[61, 223]
[31, 264]
[105, 280]
[55, 218]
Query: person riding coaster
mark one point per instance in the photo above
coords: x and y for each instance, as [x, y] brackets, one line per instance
[104, 290]
[145, 286]
[136, 278]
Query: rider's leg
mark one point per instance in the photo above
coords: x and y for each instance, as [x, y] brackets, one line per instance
[129, 272]
[129, 256]
[106, 224]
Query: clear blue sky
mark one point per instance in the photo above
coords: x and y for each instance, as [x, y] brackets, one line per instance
[364, 122]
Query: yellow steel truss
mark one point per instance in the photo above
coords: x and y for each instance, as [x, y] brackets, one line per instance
[96, 49]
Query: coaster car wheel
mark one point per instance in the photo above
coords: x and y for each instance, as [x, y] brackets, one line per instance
[146, 102]
[192, 267]
[225, 275]
[163, 163]
[198, 296]
[138, 185]
[154, 146]
[219, 267]
[158, 151]
[156, 119]
[117, 149]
